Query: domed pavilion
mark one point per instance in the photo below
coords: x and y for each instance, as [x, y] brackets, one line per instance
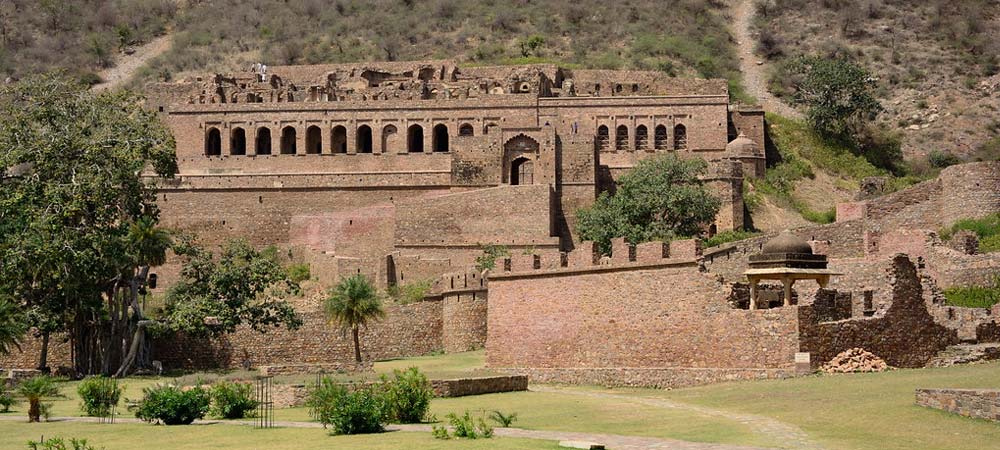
[786, 258]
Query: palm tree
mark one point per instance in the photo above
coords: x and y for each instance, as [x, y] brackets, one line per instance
[353, 303]
[13, 326]
[34, 390]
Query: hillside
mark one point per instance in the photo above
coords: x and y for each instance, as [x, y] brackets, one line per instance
[936, 62]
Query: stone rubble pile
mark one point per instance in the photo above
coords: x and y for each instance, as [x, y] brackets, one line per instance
[855, 360]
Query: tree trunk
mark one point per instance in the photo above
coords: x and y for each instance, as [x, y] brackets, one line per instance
[34, 411]
[43, 358]
[357, 345]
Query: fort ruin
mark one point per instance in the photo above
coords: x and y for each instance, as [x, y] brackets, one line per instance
[402, 171]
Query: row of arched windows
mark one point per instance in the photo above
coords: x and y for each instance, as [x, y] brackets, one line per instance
[364, 141]
[661, 140]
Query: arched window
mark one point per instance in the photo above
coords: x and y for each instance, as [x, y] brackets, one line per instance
[466, 130]
[213, 142]
[660, 137]
[238, 142]
[522, 171]
[680, 137]
[363, 141]
[415, 139]
[440, 138]
[314, 140]
[288, 141]
[603, 140]
[641, 138]
[338, 139]
[390, 138]
[263, 141]
[621, 137]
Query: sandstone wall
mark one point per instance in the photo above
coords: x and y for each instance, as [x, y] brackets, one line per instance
[673, 317]
[464, 322]
[905, 335]
[978, 403]
[407, 330]
[970, 191]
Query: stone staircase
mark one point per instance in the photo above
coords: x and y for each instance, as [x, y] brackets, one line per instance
[965, 354]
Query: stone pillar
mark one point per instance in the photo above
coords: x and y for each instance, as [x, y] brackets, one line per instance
[300, 140]
[787, 282]
[352, 135]
[326, 139]
[753, 293]
[226, 136]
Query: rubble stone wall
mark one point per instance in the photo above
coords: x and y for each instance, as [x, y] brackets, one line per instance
[978, 403]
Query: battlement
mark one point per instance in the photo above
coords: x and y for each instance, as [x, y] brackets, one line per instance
[585, 257]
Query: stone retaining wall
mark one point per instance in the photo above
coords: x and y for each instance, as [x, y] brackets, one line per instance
[292, 395]
[663, 378]
[978, 403]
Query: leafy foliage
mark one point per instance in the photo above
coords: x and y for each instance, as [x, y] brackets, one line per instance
[58, 443]
[98, 395]
[13, 325]
[6, 400]
[354, 303]
[466, 426]
[661, 198]
[73, 194]
[504, 420]
[987, 228]
[347, 411]
[298, 273]
[942, 159]
[232, 400]
[173, 406]
[973, 296]
[410, 292]
[35, 390]
[407, 396]
[840, 95]
[243, 286]
[729, 236]
[491, 252]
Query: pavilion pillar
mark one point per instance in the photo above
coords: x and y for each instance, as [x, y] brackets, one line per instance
[753, 293]
[787, 282]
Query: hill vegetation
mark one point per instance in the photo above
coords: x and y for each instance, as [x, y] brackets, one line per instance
[936, 65]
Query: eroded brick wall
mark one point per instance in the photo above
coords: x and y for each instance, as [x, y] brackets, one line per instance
[464, 322]
[978, 403]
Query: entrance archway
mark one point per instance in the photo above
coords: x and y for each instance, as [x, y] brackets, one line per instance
[520, 154]
[522, 171]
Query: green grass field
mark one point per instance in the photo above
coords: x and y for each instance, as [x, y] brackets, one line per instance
[854, 411]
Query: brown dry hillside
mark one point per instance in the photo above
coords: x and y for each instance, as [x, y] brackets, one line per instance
[936, 61]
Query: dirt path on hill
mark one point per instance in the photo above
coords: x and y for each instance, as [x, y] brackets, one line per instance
[612, 441]
[789, 435]
[754, 76]
[126, 65]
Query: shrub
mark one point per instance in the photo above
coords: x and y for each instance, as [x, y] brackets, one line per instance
[298, 273]
[439, 432]
[974, 296]
[468, 427]
[941, 159]
[728, 236]
[172, 405]
[504, 420]
[488, 260]
[411, 292]
[6, 400]
[987, 228]
[98, 395]
[407, 396]
[232, 400]
[58, 443]
[357, 411]
[35, 390]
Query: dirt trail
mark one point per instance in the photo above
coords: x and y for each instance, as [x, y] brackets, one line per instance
[126, 65]
[754, 76]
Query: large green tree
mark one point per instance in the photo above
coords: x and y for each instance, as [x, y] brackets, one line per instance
[72, 166]
[354, 303]
[13, 325]
[242, 286]
[663, 197]
[839, 95]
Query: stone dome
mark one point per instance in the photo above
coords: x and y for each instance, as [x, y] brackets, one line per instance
[742, 145]
[786, 242]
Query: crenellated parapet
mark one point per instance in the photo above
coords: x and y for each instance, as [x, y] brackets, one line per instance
[586, 256]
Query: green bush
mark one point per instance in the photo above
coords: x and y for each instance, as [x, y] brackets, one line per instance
[987, 228]
[35, 390]
[232, 400]
[347, 411]
[298, 273]
[6, 400]
[439, 432]
[58, 443]
[407, 396]
[491, 252]
[504, 420]
[98, 395]
[729, 236]
[973, 296]
[468, 427]
[173, 406]
[942, 159]
[410, 292]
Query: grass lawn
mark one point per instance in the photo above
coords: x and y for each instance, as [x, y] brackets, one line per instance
[861, 411]
[14, 435]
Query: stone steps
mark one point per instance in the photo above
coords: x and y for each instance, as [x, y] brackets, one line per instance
[965, 354]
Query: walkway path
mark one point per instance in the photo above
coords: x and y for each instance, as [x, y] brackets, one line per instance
[612, 441]
[126, 65]
[789, 435]
[754, 76]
